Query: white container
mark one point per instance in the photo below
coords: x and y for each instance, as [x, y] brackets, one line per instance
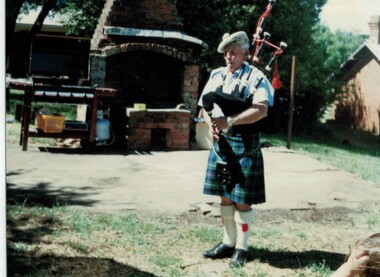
[102, 130]
[202, 137]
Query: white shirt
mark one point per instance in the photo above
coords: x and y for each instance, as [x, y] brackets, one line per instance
[264, 92]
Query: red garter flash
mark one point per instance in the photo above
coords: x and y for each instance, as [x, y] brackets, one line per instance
[244, 228]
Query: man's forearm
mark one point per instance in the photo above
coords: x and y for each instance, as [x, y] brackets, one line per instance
[206, 117]
[251, 115]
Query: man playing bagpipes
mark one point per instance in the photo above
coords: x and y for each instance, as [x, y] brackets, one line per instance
[234, 98]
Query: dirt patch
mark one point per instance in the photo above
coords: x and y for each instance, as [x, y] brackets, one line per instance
[326, 216]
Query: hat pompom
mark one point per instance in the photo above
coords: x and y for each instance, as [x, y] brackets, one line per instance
[226, 35]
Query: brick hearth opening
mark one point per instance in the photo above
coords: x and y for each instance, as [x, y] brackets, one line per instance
[159, 129]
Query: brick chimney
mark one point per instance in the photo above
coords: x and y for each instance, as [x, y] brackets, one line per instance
[140, 48]
[374, 27]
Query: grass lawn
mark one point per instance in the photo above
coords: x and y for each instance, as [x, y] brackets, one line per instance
[353, 151]
[59, 241]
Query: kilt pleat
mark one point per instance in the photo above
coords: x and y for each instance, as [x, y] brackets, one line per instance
[249, 188]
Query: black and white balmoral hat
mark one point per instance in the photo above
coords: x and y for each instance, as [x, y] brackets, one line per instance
[238, 37]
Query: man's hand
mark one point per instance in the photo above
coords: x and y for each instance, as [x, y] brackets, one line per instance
[217, 125]
[214, 133]
[356, 264]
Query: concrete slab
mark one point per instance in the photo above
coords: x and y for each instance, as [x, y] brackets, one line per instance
[171, 181]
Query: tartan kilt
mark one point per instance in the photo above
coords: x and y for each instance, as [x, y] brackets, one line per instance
[250, 189]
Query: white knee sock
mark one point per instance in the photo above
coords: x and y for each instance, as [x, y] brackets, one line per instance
[243, 221]
[229, 226]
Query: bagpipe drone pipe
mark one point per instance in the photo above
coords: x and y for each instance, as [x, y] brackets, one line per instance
[231, 104]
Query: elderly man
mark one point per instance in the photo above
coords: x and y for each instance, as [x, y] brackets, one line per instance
[236, 147]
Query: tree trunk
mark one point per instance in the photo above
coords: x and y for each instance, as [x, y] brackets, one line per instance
[49, 4]
[12, 10]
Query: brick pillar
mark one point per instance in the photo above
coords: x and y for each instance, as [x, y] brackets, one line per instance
[97, 68]
[190, 88]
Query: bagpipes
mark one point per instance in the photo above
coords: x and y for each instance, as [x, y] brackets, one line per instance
[232, 104]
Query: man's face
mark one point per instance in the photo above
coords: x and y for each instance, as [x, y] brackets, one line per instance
[234, 56]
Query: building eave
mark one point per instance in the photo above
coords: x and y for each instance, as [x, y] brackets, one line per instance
[374, 48]
[45, 28]
[163, 34]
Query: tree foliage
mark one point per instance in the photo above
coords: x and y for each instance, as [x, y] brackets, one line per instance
[337, 46]
[84, 16]
[209, 20]
[291, 22]
[336, 49]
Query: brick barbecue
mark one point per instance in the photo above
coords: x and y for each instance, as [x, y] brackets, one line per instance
[139, 48]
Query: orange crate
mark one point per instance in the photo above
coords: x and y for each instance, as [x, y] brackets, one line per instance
[50, 123]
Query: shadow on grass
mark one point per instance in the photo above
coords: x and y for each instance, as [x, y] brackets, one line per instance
[335, 136]
[96, 150]
[42, 195]
[30, 219]
[297, 260]
[24, 264]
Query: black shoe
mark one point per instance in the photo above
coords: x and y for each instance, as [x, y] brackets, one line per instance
[219, 252]
[239, 258]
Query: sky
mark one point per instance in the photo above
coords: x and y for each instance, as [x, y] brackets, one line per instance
[350, 15]
[31, 17]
